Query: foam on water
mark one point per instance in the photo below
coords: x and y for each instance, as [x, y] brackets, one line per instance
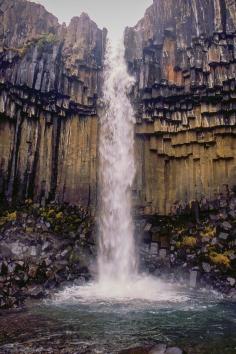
[143, 287]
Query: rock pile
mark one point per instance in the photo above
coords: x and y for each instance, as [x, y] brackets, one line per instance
[42, 248]
[197, 253]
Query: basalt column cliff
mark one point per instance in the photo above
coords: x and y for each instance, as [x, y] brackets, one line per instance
[183, 54]
[49, 85]
[183, 57]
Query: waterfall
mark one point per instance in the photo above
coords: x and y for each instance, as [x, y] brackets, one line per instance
[116, 260]
[118, 278]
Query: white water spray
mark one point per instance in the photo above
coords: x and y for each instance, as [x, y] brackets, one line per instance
[116, 261]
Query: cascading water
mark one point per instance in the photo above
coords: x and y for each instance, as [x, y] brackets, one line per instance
[116, 260]
[118, 277]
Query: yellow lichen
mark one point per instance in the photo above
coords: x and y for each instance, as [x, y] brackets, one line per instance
[178, 244]
[220, 259]
[59, 215]
[8, 218]
[11, 216]
[28, 201]
[209, 232]
[189, 241]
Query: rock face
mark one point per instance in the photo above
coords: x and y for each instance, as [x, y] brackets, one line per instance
[183, 55]
[50, 78]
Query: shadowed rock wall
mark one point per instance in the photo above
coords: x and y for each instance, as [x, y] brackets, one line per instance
[50, 78]
[183, 55]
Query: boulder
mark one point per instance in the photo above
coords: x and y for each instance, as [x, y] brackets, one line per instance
[226, 226]
[158, 349]
[206, 267]
[231, 281]
[193, 278]
[223, 235]
[174, 350]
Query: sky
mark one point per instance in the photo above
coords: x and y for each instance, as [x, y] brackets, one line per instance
[115, 15]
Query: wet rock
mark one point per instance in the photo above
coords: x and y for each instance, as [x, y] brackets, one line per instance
[158, 349]
[162, 253]
[231, 281]
[32, 272]
[174, 350]
[226, 225]
[223, 236]
[46, 246]
[136, 350]
[154, 248]
[206, 267]
[193, 278]
[35, 292]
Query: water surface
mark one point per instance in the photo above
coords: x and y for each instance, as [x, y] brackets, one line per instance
[198, 321]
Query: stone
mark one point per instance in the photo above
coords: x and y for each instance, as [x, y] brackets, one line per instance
[162, 253]
[65, 253]
[231, 281]
[223, 236]
[46, 246]
[147, 227]
[32, 272]
[226, 225]
[158, 349]
[214, 241]
[174, 350]
[206, 267]
[154, 248]
[33, 251]
[193, 278]
[35, 292]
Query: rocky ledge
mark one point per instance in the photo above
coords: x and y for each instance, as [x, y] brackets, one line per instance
[41, 249]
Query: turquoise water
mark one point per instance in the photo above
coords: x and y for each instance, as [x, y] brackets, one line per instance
[201, 322]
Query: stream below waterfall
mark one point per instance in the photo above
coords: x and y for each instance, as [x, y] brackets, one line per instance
[199, 321]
